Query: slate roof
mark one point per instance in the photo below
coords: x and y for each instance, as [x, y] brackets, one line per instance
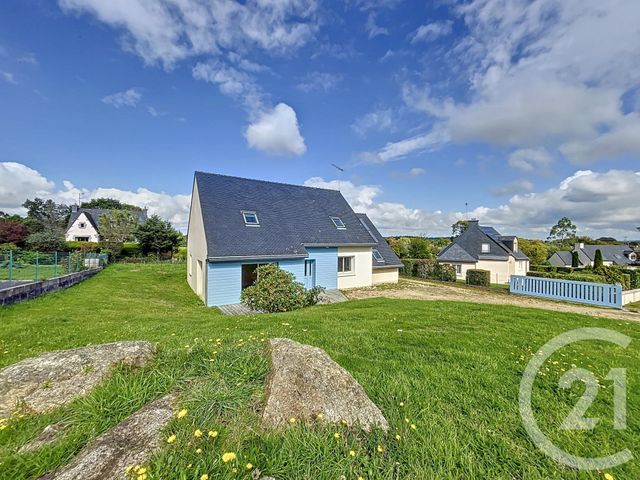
[290, 216]
[617, 254]
[387, 253]
[468, 246]
[94, 214]
[565, 256]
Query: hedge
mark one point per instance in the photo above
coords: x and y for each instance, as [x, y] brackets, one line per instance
[481, 278]
[578, 277]
[542, 268]
[634, 277]
[428, 269]
[131, 249]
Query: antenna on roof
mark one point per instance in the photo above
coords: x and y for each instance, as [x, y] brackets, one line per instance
[466, 210]
[341, 170]
[79, 195]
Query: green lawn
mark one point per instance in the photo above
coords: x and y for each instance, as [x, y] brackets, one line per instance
[456, 367]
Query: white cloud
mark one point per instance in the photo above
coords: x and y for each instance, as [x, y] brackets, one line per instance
[377, 120]
[128, 98]
[531, 160]
[320, 81]
[397, 150]
[167, 31]
[512, 188]
[276, 132]
[19, 182]
[28, 58]
[417, 171]
[539, 77]
[431, 31]
[8, 77]
[373, 30]
[601, 204]
[232, 82]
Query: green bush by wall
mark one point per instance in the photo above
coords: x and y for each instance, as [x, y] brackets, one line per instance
[480, 278]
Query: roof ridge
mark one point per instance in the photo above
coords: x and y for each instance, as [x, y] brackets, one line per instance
[266, 181]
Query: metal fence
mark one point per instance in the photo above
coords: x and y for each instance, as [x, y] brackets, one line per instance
[601, 294]
[21, 266]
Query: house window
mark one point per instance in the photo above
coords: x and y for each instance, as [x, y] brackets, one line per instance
[345, 264]
[485, 248]
[377, 256]
[251, 219]
[458, 269]
[337, 221]
[82, 239]
[82, 225]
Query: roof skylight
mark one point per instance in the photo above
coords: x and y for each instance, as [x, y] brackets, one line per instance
[337, 221]
[251, 219]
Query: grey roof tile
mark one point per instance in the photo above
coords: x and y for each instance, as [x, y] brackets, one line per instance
[290, 217]
[389, 256]
[468, 246]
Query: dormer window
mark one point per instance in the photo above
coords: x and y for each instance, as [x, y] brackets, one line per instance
[485, 248]
[82, 225]
[251, 219]
[377, 256]
[337, 221]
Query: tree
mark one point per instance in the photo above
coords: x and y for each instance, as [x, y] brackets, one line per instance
[536, 250]
[575, 259]
[109, 204]
[12, 231]
[598, 261]
[116, 228]
[400, 246]
[422, 248]
[157, 236]
[46, 215]
[46, 241]
[459, 228]
[563, 230]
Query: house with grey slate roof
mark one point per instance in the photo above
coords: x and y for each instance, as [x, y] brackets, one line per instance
[237, 224]
[620, 255]
[84, 223]
[484, 248]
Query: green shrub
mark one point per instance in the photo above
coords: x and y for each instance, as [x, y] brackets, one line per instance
[564, 269]
[131, 249]
[481, 278]
[83, 246]
[277, 291]
[447, 273]
[598, 262]
[634, 277]
[432, 270]
[542, 268]
[408, 268]
[578, 277]
[575, 259]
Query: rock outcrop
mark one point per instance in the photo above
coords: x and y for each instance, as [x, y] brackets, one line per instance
[39, 384]
[305, 383]
[131, 442]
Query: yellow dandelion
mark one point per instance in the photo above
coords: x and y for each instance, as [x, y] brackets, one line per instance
[213, 433]
[352, 453]
[343, 421]
[336, 435]
[171, 439]
[2, 427]
[198, 450]
[128, 469]
[360, 478]
[228, 457]
[204, 476]
[292, 420]
[197, 433]
[190, 465]
[380, 449]
[182, 413]
[141, 471]
[398, 437]
[406, 419]
[234, 470]
[249, 466]
[413, 426]
[608, 476]
[402, 404]
[142, 477]
[320, 416]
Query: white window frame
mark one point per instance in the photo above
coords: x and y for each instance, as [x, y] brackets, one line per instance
[485, 248]
[379, 258]
[458, 269]
[337, 221]
[352, 265]
[247, 223]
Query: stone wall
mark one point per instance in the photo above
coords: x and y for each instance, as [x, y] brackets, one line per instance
[27, 291]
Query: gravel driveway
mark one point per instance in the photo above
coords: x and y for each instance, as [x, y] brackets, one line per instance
[424, 290]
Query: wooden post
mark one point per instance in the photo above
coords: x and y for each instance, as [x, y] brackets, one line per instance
[37, 265]
[55, 264]
[10, 265]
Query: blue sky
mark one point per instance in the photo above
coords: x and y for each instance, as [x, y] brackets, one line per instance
[513, 107]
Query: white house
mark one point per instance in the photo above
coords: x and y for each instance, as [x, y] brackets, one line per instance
[483, 248]
[84, 223]
[237, 224]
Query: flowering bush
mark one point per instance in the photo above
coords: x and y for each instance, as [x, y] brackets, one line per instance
[276, 290]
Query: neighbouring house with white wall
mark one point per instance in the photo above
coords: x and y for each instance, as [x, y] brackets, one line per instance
[484, 248]
[618, 255]
[237, 224]
[84, 223]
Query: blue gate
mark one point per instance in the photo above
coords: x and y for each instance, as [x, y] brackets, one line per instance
[601, 294]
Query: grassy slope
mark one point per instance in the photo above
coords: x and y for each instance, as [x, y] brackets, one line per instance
[456, 367]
